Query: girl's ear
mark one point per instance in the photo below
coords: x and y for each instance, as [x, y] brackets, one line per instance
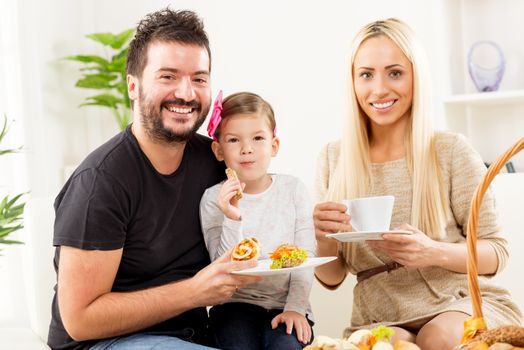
[217, 150]
[275, 145]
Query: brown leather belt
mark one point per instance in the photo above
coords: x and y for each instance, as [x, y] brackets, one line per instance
[364, 275]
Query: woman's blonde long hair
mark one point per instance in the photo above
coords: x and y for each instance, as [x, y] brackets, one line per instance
[352, 176]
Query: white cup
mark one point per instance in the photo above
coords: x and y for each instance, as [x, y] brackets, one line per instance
[370, 213]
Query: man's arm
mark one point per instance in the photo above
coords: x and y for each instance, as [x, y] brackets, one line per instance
[89, 309]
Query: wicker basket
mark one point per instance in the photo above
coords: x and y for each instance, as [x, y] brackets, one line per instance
[475, 329]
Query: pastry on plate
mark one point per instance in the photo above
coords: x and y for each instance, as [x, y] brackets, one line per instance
[287, 255]
[247, 249]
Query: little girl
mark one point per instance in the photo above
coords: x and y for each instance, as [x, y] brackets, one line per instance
[275, 208]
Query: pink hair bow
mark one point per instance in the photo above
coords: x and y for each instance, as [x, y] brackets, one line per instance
[216, 116]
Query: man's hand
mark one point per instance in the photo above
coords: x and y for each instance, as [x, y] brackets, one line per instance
[216, 284]
[90, 310]
[294, 319]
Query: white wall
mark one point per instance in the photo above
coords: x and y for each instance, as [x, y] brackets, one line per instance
[509, 193]
[11, 182]
[293, 53]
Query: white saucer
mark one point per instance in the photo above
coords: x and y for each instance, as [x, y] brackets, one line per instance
[364, 235]
[263, 267]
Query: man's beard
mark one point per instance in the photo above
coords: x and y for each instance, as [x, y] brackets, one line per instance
[151, 119]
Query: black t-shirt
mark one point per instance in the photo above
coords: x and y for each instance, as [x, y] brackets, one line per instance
[116, 199]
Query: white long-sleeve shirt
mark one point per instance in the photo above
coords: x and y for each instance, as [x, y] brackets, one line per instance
[281, 214]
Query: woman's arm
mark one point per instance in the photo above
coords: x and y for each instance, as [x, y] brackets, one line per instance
[418, 250]
[453, 256]
[330, 217]
[465, 170]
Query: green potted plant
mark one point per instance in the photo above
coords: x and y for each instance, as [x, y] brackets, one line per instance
[107, 74]
[11, 209]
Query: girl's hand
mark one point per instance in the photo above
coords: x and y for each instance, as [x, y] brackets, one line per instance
[415, 250]
[294, 319]
[227, 200]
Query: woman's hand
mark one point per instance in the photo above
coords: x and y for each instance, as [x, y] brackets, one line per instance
[414, 250]
[330, 217]
[227, 201]
[294, 319]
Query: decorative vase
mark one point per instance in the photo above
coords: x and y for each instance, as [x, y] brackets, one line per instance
[486, 65]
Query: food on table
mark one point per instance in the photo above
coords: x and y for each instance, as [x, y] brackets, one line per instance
[502, 338]
[379, 338]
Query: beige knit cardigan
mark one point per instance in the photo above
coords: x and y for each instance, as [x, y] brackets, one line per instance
[412, 296]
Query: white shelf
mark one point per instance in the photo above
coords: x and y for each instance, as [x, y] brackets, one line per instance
[486, 98]
[491, 121]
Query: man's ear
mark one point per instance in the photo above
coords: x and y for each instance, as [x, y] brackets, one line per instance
[275, 145]
[217, 150]
[132, 87]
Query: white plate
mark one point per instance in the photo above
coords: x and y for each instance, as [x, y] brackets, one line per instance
[364, 235]
[262, 269]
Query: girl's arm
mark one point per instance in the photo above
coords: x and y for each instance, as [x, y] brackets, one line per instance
[220, 232]
[301, 282]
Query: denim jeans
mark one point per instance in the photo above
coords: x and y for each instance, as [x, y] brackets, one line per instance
[242, 326]
[144, 341]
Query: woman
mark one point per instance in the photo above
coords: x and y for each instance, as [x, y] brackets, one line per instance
[415, 283]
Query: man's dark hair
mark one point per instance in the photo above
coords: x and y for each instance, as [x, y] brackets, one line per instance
[165, 26]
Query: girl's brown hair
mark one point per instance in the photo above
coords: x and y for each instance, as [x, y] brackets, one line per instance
[246, 103]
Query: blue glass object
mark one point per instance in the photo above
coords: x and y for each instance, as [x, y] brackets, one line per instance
[486, 76]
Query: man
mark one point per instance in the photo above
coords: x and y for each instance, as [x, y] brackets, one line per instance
[130, 257]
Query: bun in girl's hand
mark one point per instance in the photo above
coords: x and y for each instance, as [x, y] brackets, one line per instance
[232, 175]
[287, 255]
[246, 249]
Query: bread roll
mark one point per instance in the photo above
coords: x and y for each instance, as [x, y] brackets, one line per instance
[232, 175]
